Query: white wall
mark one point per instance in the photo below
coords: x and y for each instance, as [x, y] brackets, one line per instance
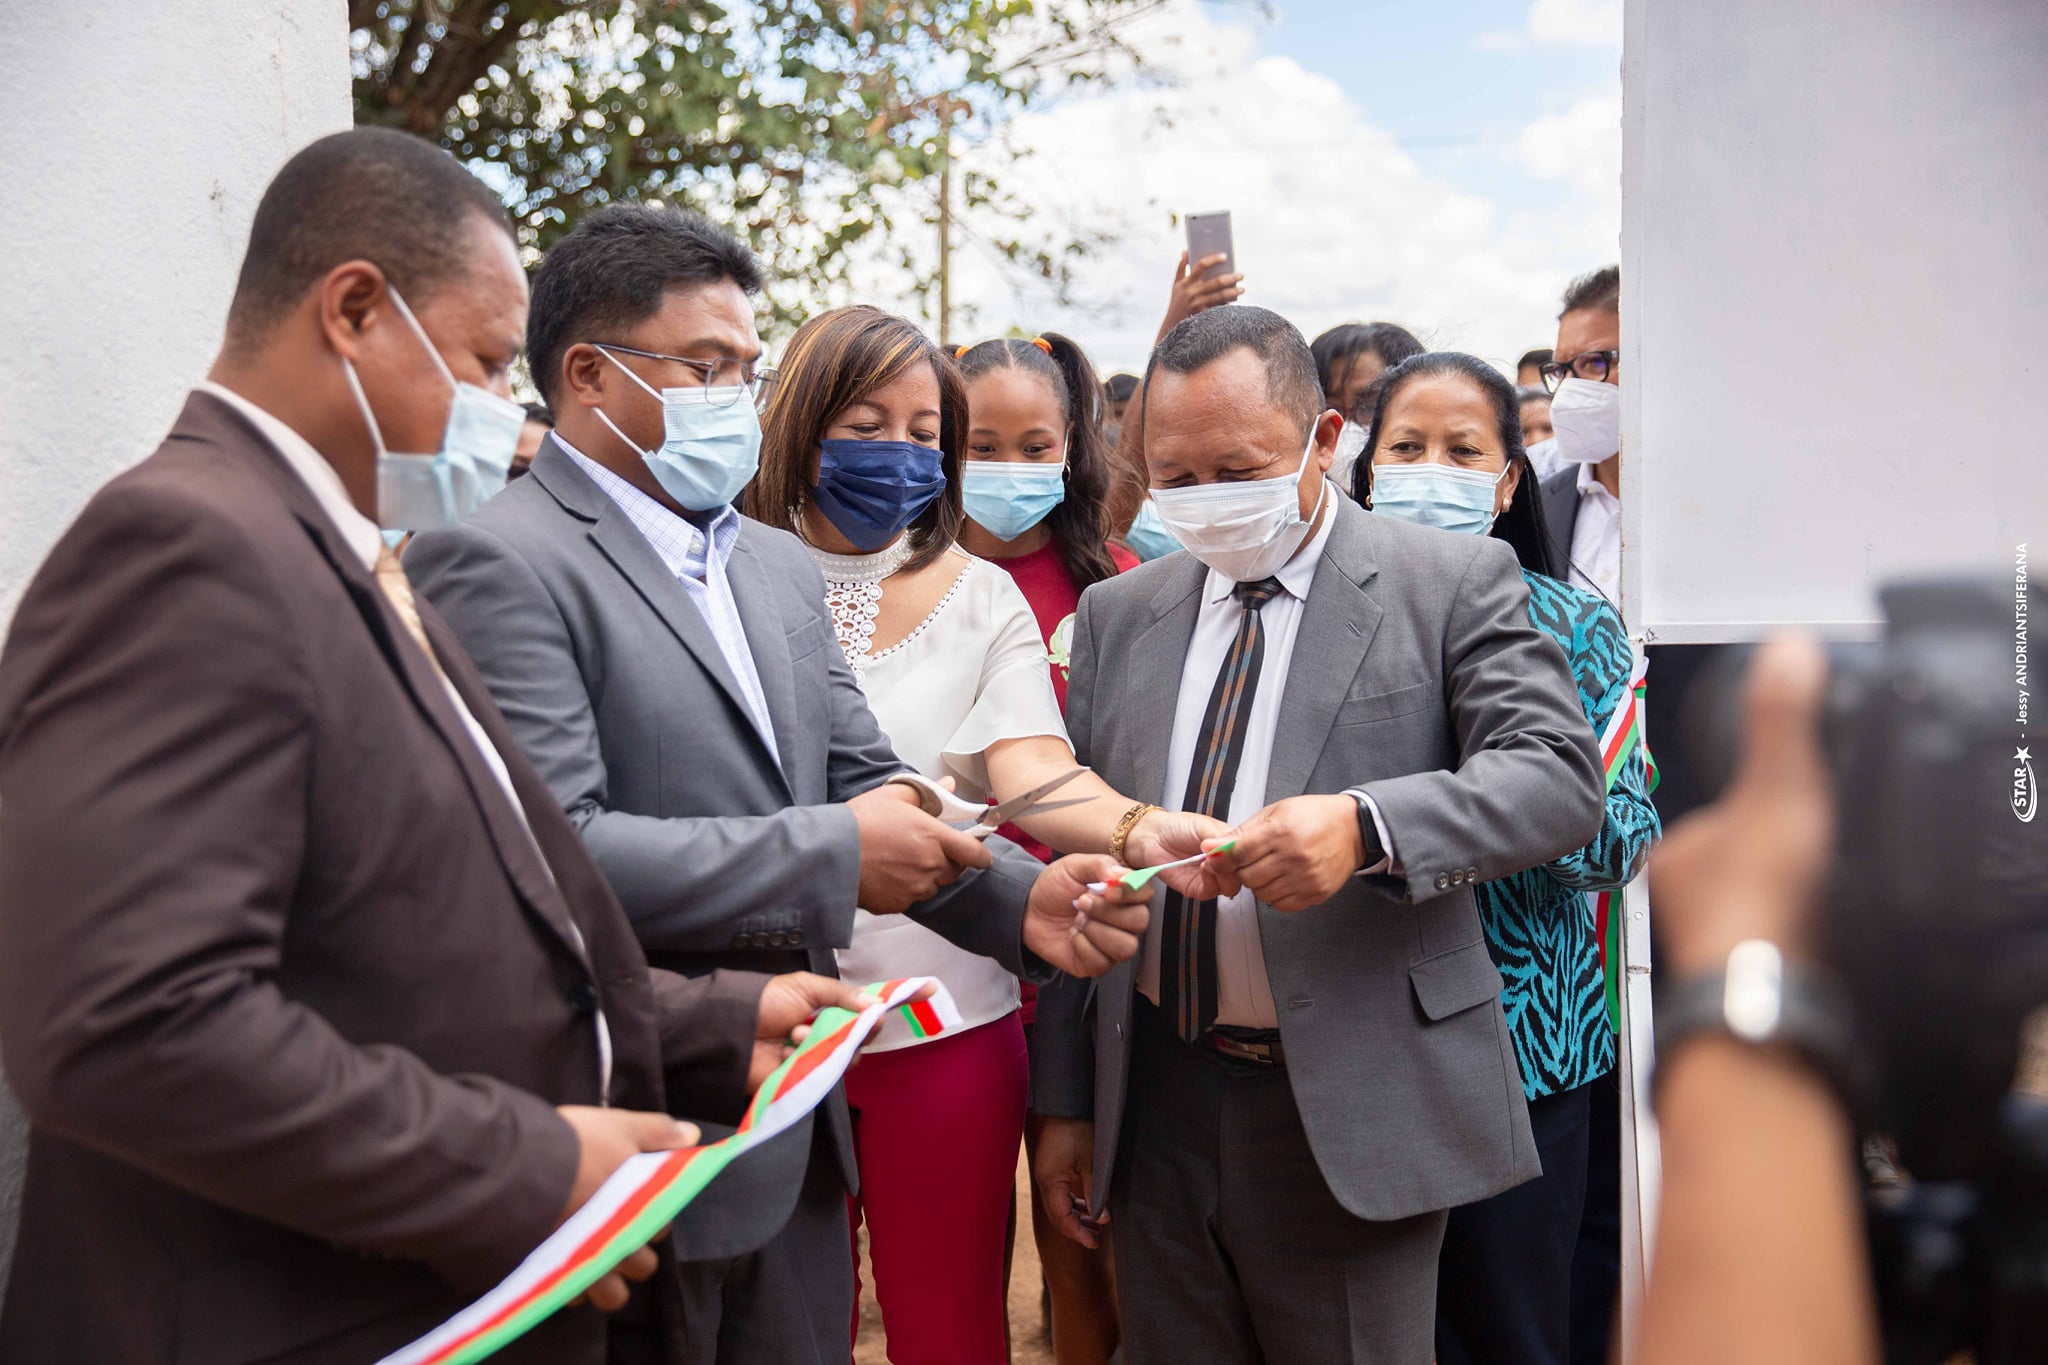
[137, 136]
[1835, 303]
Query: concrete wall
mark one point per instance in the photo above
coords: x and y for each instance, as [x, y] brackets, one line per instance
[136, 136]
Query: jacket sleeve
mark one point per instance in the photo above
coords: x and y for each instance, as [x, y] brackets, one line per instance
[1602, 665]
[689, 884]
[1527, 785]
[1062, 1031]
[708, 1025]
[156, 740]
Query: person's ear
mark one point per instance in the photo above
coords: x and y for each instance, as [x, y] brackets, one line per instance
[1329, 427]
[351, 299]
[1506, 496]
[584, 370]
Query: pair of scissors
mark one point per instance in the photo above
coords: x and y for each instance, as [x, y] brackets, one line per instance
[1031, 802]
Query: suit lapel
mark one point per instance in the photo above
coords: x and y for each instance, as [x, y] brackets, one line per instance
[518, 845]
[514, 848]
[620, 541]
[754, 595]
[1157, 658]
[1338, 623]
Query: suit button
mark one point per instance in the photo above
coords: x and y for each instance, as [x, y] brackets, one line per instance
[584, 997]
[796, 938]
[1443, 880]
[777, 939]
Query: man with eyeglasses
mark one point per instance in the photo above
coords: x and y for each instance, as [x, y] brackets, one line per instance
[671, 669]
[1582, 502]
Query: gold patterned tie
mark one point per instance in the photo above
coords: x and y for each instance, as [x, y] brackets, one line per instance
[397, 588]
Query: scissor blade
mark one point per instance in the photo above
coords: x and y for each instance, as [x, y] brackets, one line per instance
[1017, 805]
[991, 820]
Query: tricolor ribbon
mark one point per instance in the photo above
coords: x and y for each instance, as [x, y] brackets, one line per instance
[1624, 732]
[647, 1191]
[1623, 735]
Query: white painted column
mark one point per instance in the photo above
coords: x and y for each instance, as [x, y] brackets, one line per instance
[137, 136]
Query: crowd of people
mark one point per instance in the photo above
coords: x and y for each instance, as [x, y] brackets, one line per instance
[415, 804]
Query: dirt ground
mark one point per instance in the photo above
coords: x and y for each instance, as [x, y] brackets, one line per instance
[1028, 1342]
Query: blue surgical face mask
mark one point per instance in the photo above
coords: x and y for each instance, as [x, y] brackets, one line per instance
[427, 492]
[1006, 498]
[711, 442]
[871, 490]
[1437, 495]
[1148, 536]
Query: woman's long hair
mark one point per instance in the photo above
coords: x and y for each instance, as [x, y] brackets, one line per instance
[834, 360]
[1520, 524]
[1080, 523]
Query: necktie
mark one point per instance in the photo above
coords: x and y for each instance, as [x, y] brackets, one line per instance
[1187, 956]
[397, 589]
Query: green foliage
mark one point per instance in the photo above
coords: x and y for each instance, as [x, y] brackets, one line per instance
[804, 124]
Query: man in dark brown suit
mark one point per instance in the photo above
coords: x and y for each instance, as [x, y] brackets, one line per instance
[309, 989]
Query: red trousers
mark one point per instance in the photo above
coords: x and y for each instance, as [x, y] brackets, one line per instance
[937, 1128]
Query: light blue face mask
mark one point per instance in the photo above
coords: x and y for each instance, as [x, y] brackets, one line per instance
[711, 444]
[1006, 498]
[427, 492]
[1437, 495]
[1148, 536]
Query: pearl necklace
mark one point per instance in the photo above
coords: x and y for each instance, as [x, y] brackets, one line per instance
[853, 592]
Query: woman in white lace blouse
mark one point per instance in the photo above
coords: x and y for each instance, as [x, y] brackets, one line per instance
[860, 456]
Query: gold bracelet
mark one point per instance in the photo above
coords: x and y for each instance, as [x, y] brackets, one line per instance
[1125, 826]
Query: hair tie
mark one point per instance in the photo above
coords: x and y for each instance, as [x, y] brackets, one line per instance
[960, 351]
[1042, 344]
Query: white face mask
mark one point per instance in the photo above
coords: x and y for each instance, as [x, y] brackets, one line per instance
[1586, 417]
[1243, 530]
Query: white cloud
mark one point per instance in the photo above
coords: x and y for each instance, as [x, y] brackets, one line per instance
[1560, 23]
[1333, 220]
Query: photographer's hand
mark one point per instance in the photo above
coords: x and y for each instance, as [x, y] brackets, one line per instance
[1760, 1251]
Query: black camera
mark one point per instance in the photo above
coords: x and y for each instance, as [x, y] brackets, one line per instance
[1937, 922]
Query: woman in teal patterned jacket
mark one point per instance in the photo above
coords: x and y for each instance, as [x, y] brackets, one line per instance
[1444, 449]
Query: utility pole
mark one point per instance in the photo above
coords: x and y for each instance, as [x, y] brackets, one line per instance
[946, 232]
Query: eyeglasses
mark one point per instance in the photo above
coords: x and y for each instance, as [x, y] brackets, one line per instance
[1593, 365]
[720, 381]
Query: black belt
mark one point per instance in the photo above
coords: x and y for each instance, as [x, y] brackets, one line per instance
[1256, 1046]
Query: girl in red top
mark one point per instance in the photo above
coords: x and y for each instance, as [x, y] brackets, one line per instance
[1036, 486]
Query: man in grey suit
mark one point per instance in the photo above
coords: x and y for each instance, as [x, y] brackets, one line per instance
[672, 671]
[1294, 1081]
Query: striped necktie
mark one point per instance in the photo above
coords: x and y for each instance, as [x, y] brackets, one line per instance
[1187, 963]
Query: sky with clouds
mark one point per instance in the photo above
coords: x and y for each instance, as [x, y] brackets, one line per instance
[1446, 166]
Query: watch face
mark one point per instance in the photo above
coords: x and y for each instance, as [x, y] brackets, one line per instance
[1753, 998]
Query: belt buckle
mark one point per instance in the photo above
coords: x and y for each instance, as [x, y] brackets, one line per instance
[1259, 1054]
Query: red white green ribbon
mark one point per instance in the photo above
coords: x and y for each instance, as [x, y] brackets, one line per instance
[1623, 735]
[647, 1191]
[1624, 732]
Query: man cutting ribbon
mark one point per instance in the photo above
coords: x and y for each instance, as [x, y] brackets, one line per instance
[1304, 1070]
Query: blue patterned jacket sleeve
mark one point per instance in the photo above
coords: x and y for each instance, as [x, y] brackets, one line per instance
[1601, 661]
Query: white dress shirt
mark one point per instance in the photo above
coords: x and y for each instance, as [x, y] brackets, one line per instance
[363, 536]
[698, 561]
[1596, 538]
[1244, 996]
